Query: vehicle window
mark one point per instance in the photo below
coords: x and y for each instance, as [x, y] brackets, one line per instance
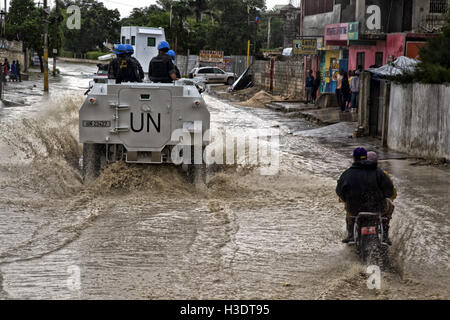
[151, 42]
[123, 39]
[133, 40]
[206, 70]
[218, 71]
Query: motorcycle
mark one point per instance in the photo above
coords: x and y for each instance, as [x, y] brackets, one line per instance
[368, 237]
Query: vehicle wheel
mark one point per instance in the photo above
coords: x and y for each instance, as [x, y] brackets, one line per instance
[94, 159]
[370, 250]
[230, 81]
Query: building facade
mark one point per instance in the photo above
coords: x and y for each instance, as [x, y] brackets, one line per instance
[367, 33]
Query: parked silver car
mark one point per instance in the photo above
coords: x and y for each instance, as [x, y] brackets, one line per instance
[213, 75]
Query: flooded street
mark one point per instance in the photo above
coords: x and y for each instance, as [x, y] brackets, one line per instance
[146, 232]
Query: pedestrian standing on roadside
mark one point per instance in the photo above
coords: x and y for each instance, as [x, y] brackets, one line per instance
[19, 76]
[309, 86]
[345, 91]
[13, 74]
[354, 88]
[5, 67]
[316, 86]
[339, 78]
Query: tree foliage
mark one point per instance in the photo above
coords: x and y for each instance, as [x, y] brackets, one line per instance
[99, 25]
[196, 25]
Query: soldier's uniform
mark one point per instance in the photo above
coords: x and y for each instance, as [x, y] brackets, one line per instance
[160, 68]
[123, 69]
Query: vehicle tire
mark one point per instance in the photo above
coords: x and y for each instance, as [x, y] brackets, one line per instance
[94, 159]
[230, 81]
[370, 250]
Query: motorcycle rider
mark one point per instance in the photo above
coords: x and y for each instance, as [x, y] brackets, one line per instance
[161, 68]
[171, 54]
[122, 68]
[363, 187]
[130, 51]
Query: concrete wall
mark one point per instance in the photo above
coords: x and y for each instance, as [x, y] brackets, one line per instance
[288, 77]
[315, 25]
[12, 50]
[419, 120]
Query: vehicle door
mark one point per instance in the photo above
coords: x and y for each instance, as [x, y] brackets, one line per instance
[220, 75]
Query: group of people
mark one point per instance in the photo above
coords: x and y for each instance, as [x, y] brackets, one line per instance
[347, 90]
[364, 187]
[13, 71]
[312, 85]
[125, 68]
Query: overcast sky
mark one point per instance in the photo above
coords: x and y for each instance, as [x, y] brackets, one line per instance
[125, 6]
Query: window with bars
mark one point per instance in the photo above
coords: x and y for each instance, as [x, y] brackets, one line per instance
[438, 6]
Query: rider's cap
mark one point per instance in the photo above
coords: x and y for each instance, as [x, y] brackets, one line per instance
[360, 154]
[171, 53]
[372, 156]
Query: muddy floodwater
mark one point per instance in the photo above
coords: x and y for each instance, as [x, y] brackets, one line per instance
[146, 232]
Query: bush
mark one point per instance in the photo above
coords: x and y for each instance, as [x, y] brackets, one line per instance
[66, 54]
[93, 55]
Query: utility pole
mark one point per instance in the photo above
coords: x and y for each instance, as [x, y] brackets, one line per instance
[248, 28]
[45, 46]
[55, 37]
[268, 32]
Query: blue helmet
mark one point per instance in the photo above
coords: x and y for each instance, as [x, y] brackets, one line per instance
[163, 45]
[171, 53]
[119, 49]
[129, 48]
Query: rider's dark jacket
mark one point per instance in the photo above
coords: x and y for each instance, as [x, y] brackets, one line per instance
[160, 68]
[364, 188]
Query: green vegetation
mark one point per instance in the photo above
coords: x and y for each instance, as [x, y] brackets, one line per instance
[93, 55]
[190, 25]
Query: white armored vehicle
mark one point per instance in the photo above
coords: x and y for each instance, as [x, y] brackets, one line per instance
[135, 122]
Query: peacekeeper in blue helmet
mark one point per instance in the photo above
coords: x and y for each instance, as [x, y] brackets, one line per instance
[130, 51]
[161, 68]
[171, 54]
[122, 68]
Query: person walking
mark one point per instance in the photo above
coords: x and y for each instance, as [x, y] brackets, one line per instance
[309, 86]
[345, 91]
[354, 88]
[316, 86]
